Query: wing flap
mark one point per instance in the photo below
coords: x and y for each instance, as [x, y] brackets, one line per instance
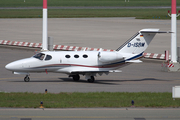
[99, 72]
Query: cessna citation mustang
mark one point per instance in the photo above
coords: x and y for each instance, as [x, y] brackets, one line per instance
[87, 63]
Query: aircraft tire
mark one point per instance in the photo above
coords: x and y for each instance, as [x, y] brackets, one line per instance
[26, 79]
[91, 80]
[76, 77]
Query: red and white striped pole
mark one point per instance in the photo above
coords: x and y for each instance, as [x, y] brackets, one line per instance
[174, 31]
[44, 34]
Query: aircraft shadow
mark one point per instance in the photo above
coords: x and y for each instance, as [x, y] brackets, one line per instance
[37, 81]
[113, 82]
[134, 80]
[63, 80]
[85, 81]
[105, 82]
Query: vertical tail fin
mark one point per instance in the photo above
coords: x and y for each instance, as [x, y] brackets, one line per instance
[139, 42]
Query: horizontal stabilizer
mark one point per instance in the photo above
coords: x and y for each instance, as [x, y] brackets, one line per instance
[155, 32]
[134, 61]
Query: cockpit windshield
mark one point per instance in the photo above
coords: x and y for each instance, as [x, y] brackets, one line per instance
[39, 56]
[48, 57]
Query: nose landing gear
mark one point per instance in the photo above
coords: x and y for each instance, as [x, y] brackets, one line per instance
[26, 79]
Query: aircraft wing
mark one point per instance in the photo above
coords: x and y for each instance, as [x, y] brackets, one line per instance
[94, 72]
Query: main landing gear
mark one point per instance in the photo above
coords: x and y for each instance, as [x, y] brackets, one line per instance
[91, 79]
[76, 77]
[26, 79]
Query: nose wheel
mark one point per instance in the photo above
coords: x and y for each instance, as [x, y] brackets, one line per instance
[26, 79]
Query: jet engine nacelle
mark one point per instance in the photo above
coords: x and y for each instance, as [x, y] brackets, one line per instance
[108, 57]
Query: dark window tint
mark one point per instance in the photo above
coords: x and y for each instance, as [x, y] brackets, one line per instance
[67, 56]
[85, 56]
[48, 57]
[39, 56]
[76, 56]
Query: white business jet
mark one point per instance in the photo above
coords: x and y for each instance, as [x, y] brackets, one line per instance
[86, 63]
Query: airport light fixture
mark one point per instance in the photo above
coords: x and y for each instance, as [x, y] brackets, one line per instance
[132, 102]
[41, 104]
[45, 91]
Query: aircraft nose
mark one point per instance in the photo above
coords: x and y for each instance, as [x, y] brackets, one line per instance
[10, 66]
[18, 65]
[14, 66]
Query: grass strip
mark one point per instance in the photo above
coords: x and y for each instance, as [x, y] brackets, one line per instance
[87, 100]
[36, 3]
[82, 13]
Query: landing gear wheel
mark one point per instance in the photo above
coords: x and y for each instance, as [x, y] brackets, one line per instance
[91, 80]
[76, 77]
[26, 79]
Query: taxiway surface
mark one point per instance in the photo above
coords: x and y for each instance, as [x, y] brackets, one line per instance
[90, 114]
[141, 77]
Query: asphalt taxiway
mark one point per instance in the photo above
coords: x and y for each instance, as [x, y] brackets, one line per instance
[90, 114]
[107, 33]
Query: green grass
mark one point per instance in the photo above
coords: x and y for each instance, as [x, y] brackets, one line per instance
[87, 100]
[28, 3]
[78, 13]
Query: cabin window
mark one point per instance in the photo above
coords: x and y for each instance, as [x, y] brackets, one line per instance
[39, 56]
[67, 56]
[76, 56]
[85, 56]
[48, 57]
